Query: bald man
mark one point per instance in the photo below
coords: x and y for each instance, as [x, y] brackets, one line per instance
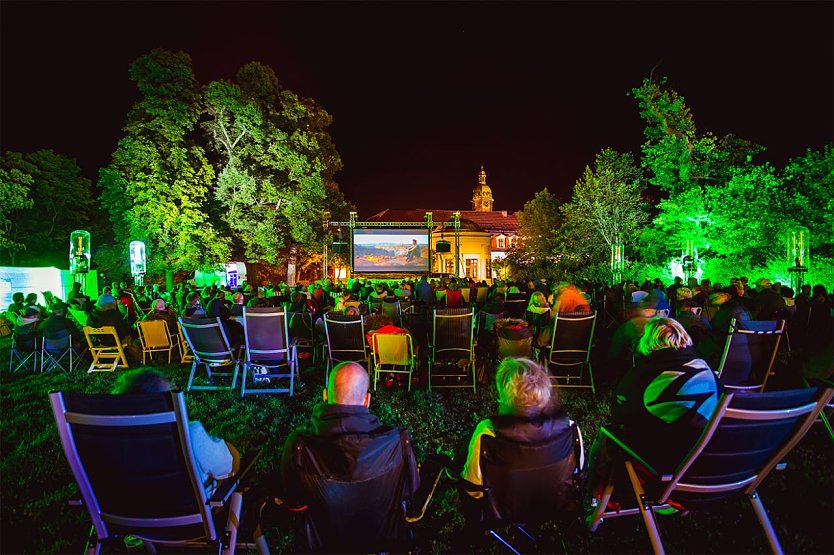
[344, 416]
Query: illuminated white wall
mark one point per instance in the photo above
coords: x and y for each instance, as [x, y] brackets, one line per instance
[33, 280]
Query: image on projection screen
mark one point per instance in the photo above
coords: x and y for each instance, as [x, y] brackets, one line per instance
[390, 250]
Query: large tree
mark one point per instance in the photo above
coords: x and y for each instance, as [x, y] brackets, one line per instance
[158, 182]
[538, 223]
[61, 201]
[15, 183]
[275, 179]
[606, 209]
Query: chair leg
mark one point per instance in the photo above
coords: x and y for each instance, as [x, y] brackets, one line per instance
[600, 508]
[191, 376]
[504, 542]
[645, 510]
[767, 527]
[232, 523]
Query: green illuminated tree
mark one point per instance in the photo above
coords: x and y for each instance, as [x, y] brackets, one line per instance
[606, 208]
[538, 223]
[278, 162]
[14, 197]
[157, 186]
[808, 196]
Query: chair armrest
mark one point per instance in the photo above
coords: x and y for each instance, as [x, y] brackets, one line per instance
[431, 471]
[228, 486]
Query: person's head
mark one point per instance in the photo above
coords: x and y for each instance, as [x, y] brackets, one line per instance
[59, 309]
[352, 311]
[32, 298]
[538, 300]
[348, 385]
[524, 387]
[238, 298]
[32, 312]
[135, 382]
[762, 284]
[414, 242]
[684, 293]
[18, 297]
[159, 305]
[663, 333]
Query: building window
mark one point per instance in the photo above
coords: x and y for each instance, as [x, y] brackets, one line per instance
[471, 268]
[499, 242]
[450, 266]
[489, 268]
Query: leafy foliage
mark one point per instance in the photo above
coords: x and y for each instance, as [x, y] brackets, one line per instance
[538, 223]
[156, 184]
[59, 202]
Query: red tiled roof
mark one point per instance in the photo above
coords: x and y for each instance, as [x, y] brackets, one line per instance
[492, 222]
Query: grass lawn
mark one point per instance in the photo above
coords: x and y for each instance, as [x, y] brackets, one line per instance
[35, 481]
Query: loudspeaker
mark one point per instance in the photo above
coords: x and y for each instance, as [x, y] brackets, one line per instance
[339, 247]
[443, 246]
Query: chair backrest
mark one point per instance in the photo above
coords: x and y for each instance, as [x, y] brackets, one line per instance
[481, 295]
[539, 321]
[453, 298]
[345, 336]
[207, 339]
[464, 293]
[78, 315]
[392, 348]
[749, 352]
[103, 337]
[57, 340]
[353, 485]
[154, 333]
[515, 305]
[453, 329]
[301, 326]
[748, 435]
[26, 342]
[131, 456]
[266, 333]
[570, 343]
[392, 309]
[528, 482]
[514, 341]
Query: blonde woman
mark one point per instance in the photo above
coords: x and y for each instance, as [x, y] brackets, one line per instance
[529, 411]
[661, 407]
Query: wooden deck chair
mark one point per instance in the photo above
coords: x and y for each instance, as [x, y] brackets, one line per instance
[392, 352]
[186, 355]
[481, 295]
[105, 348]
[132, 458]
[211, 349]
[749, 352]
[270, 354]
[453, 342]
[570, 349]
[345, 340]
[155, 337]
[747, 437]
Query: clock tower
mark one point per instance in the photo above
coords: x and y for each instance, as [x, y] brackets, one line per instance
[482, 195]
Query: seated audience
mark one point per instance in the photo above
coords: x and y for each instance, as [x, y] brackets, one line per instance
[58, 322]
[18, 306]
[161, 311]
[107, 314]
[216, 459]
[234, 330]
[237, 305]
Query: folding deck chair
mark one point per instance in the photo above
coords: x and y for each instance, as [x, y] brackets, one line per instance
[570, 349]
[105, 348]
[526, 484]
[392, 352]
[749, 353]
[748, 436]
[352, 488]
[211, 348]
[155, 337]
[345, 340]
[269, 348]
[186, 355]
[453, 340]
[132, 458]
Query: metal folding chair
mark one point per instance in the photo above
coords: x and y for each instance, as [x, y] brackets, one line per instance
[570, 349]
[58, 351]
[268, 348]
[24, 352]
[211, 349]
[345, 340]
[453, 340]
[749, 352]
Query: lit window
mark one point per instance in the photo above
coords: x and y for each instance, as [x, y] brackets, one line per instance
[499, 242]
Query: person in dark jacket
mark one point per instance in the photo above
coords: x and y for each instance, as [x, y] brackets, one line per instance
[528, 411]
[344, 411]
[58, 322]
[661, 407]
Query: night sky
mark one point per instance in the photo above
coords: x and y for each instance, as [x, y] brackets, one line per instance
[423, 93]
